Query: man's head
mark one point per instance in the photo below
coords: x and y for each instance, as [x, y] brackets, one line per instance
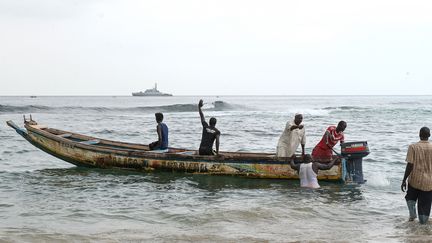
[424, 133]
[341, 126]
[159, 117]
[307, 158]
[213, 121]
[298, 118]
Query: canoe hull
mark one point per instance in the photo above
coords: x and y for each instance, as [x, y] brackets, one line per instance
[102, 157]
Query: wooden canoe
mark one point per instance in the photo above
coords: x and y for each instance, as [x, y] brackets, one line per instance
[82, 150]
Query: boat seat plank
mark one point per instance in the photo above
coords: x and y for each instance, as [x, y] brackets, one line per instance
[65, 135]
[90, 142]
[159, 151]
[187, 152]
[39, 126]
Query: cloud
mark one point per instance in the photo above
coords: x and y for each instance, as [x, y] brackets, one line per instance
[248, 47]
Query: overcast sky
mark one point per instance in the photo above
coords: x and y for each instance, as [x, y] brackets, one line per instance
[224, 47]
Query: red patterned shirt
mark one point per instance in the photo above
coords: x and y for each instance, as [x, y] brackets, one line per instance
[324, 148]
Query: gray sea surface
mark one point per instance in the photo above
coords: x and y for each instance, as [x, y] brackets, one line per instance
[44, 199]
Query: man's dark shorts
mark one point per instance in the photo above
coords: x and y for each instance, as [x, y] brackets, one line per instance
[206, 152]
[423, 198]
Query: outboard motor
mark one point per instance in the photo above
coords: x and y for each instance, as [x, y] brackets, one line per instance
[353, 152]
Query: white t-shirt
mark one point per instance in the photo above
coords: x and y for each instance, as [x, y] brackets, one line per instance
[290, 140]
[308, 178]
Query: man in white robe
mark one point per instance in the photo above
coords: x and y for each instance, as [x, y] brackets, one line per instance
[293, 135]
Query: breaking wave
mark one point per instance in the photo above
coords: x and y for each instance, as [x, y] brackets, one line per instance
[19, 109]
[377, 109]
[345, 108]
[216, 106]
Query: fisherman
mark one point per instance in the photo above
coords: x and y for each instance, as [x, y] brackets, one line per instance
[308, 170]
[293, 135]
[209, 134]
[419, 173]
[162, 131]
[323, 151]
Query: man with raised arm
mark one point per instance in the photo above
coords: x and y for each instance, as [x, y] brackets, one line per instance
[308, 170]
[209, 134]
[419, 174]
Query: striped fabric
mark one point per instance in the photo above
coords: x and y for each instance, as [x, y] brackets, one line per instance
[323, 150]
[420, 155]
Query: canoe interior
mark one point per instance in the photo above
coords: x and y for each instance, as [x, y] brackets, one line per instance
[133, 147]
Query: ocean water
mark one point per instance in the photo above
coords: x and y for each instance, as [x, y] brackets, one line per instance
[44, 199]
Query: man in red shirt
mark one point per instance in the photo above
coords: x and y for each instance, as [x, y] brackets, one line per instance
[323, 150]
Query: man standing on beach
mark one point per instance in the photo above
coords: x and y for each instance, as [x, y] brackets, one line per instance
[293, 135]
[323, 151]
[419, 174]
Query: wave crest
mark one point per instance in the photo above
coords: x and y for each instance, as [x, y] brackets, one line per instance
[218, 106]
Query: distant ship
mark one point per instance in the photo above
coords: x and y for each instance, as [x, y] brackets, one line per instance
[151, 92]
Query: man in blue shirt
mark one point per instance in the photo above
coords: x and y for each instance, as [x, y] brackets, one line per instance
[162, 131]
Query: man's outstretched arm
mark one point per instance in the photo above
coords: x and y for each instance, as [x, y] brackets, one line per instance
[326, 166]
[200, 104]
[293, 165]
